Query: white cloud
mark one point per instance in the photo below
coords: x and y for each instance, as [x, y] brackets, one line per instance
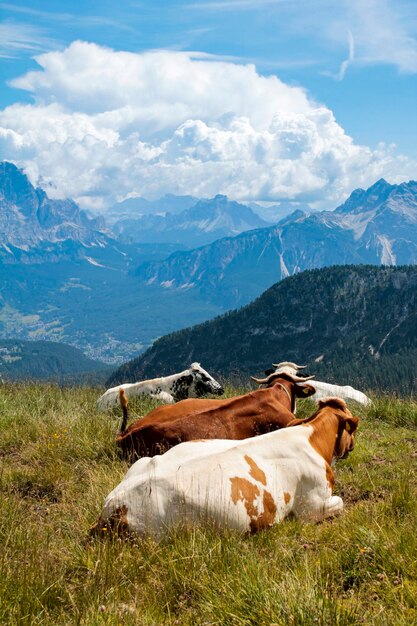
[106, 124]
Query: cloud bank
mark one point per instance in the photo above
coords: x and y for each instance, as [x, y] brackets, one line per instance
[107, 124]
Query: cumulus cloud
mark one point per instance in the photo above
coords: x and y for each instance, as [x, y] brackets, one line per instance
[106, 124]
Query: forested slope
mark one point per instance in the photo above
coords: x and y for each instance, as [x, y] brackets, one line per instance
[350, 324]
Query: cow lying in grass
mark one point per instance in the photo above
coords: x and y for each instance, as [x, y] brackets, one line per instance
[323, 390]
[247, 485]
[193, 382]
[244, 416]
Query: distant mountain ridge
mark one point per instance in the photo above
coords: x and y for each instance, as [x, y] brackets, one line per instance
[349, 324]
[204, 222]
[377, 226]
[136, 206]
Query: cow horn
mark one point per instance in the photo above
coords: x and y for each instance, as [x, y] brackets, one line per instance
[261, 381]
[289, 364]
[294, 377]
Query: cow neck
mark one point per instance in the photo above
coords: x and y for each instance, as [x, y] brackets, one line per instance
[326, 431]
[278, 384]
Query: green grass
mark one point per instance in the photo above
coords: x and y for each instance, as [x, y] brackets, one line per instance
[58, 462]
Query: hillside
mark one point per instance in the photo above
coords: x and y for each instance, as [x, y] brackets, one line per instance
[350, 324]
[46, 360]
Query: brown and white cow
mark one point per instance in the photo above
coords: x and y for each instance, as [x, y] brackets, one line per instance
[240, 417]
[247, 485]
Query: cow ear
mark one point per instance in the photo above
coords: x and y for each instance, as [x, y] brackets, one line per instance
[351, 424]
[304, 391]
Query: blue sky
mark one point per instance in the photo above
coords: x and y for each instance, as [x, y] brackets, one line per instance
[355, 59]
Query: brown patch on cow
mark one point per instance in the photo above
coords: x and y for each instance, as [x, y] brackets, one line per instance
[255, 471]
[116, 524]
[287, 497]
[267, 517]
[245, 491]
[330, 476]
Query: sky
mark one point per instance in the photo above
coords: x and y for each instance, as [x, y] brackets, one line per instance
[262, 100]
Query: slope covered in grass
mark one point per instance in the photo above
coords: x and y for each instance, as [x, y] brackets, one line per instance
[58, 462]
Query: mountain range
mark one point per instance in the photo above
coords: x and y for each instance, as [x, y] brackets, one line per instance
[348, 324]
[67, 277]
[377, 226]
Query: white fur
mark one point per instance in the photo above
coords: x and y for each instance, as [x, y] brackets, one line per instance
[346, 392]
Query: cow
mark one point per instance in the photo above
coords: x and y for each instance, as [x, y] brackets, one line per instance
[240, 417]
[323, 390]
[246, 485]
[193, 382]
[190, 405]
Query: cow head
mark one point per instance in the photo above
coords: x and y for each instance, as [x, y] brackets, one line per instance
[298, 388]
[348, 423]
[203, 383]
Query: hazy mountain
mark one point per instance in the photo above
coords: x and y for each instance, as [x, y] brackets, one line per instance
[204, 222]
[377, 226]
[45, 360]
[350, 324]
[273, 213]
[133, 208]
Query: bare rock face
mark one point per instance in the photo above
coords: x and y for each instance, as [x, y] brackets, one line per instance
[28, 218]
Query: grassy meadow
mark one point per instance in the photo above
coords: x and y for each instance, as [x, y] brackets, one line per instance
[58, 462]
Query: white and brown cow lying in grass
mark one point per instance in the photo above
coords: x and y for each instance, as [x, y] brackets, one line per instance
[193, 382]
[247, 485]
[323, 390]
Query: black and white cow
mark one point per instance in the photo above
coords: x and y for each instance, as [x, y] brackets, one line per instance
[193, 382]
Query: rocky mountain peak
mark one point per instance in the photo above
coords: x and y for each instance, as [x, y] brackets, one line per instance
[15, 188]
[362, 201]
[29, 218]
